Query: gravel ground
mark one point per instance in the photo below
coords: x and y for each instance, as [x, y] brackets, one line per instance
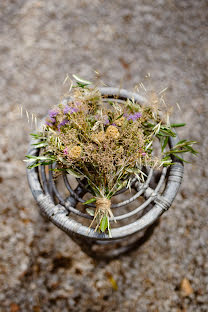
[41, 269]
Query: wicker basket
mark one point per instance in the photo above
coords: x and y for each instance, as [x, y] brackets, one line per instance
[134, 225]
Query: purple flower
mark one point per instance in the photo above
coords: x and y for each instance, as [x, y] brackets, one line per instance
[73, 110]
[143, 154]
[53, 113]
[66, 109]
[134, 116]
[70, 110]
[138, 115]
[64, 121]
[106, 122]
[50, 121]
[130, 117]
[113, 124]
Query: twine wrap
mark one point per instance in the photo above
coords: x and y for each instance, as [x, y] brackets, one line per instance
[103, 208]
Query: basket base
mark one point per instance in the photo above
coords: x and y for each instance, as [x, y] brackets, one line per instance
[107, 250]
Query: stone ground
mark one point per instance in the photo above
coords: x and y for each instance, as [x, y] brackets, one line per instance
[41, 269]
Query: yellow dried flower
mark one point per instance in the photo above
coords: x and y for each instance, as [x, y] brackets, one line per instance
[100, 136]
[112, 132]
[75, 152]
[119, 122]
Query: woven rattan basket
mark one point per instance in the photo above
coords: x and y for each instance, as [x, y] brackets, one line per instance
[136, 213]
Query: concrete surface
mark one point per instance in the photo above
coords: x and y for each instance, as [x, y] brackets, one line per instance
[41, 269]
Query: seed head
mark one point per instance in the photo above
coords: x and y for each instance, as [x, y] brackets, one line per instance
[112, 132]
[100, 136]
[119, 122]
[75, 152]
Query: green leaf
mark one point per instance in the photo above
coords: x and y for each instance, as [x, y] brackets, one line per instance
[33, 165]
[119, 116]
[181, 158]
[148, 124]
[104, 223]
[74, 173]
[36, 135]
[121, 185]
[110, 117]
[166, 157]
[179, 151]
[91, 212]
[167, 163]
[177, 125]
[165, 144]
[45, 163]
[42, 163]
[165, 132]
[180, 142]
[89, 201]
[93, 187]
[40, 157]
[148, 145]
[184, 146]
[31, 157]
[39, 145]
[111, 103]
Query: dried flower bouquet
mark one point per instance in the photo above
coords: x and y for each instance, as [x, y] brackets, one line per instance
[105, 142]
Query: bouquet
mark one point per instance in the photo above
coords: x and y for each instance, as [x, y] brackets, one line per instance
[106, 143]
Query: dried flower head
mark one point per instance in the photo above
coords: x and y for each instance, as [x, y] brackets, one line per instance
[75, 152]
[99, 137]
[112, 132]
[119, 122]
